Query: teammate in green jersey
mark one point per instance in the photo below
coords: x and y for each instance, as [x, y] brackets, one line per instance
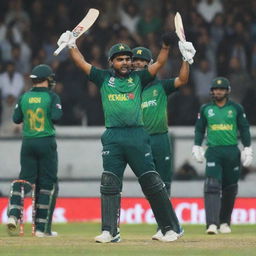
[38, 109]
[125, 140]
[154, 107]
[222, 119]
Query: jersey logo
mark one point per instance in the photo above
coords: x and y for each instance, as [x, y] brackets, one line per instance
[221, 127]
[130, 81]
[58, 106]
[155, 93]
[211, 164]
[211, 113]
[150, 103]
[111, 82]
[230, 113]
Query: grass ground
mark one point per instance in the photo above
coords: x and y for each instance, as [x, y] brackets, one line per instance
[77, 239]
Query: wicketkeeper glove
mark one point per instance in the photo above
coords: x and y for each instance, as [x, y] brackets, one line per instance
[198, 153]
[187, 50]
[68, 39]
[247, 156]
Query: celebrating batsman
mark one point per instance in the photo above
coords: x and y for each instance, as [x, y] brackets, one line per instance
[222, 119]
[37, 109]
[125, 140]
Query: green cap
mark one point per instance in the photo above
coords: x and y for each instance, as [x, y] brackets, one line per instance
[41, 71]
[119, 49]
[220, 82]
[142, 53]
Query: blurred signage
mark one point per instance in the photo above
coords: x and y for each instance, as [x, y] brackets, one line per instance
[136, 210]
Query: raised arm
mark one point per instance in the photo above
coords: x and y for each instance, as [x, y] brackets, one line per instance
[79, 60]
[183, 75]
[161, 60]
[68, 39]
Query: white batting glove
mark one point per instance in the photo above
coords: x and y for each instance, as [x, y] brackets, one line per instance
[247, 156]
[187, 50]
[198, 153]
[68, 39]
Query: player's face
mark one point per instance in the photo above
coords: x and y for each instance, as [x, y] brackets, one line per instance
[219, 94]
[122, 64]
[139, 64]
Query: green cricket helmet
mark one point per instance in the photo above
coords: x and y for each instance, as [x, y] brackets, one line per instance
[142, 53]
[220, 83]
[41, 73]
[119, 49]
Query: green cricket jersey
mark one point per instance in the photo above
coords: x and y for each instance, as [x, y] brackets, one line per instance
[37, 109]
[222, 124]
[154, 105]
[121, 97]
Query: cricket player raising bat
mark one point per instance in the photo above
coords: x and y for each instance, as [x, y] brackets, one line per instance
[125, 140]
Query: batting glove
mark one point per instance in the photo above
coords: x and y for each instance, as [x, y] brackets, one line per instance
[247, 156]
[187, 50]
[68, 39]
[168, 38]
[198, 153]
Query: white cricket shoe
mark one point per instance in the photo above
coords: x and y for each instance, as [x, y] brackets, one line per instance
[42, 234]
[158, 235]
[212, 230]
[106, 237]
[225, 228]
[181, 233]
[169, 236]
[12, 225]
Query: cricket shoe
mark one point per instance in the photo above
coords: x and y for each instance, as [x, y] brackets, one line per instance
[42, 234]
[12, 225]
[180, 233]
[106, 237]
[169, 236]
[158, 235]
[212, 230]
[225, 228]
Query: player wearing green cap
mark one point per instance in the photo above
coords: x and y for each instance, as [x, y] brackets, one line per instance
[125, 140]
[37, 109]
[222, 119]
[154, 108]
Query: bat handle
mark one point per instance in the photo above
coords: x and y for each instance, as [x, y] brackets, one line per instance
[61, 47]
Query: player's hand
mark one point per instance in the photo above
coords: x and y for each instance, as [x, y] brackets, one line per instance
[198, 153]
[68, 39]
[187, 50]
[247, 156]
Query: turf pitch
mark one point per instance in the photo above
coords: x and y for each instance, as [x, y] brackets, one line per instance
[77, 239]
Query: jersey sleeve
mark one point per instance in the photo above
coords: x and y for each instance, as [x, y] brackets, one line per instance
[200, 127]
[145, 77]
[168, 85]
[56, 108]
[17, 114]
[97, 76]
[243, 126]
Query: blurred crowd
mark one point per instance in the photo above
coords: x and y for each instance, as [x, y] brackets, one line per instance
[222, 31]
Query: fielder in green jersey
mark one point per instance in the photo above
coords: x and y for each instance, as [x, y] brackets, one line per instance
[125, 140]
[38, 109]
[154, 108]
[222, 119]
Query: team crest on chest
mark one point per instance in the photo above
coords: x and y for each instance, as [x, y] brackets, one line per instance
[230, 113]
[211, 113]
[130, 81]
[111, 82]
[155, 93]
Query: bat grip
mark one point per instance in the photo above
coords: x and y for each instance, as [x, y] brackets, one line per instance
[61, 47]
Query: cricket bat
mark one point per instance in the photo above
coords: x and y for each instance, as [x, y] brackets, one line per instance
[179, 27]
[82, 27]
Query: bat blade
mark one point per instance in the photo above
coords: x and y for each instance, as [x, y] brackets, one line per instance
[82, 27]
[179, 27]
